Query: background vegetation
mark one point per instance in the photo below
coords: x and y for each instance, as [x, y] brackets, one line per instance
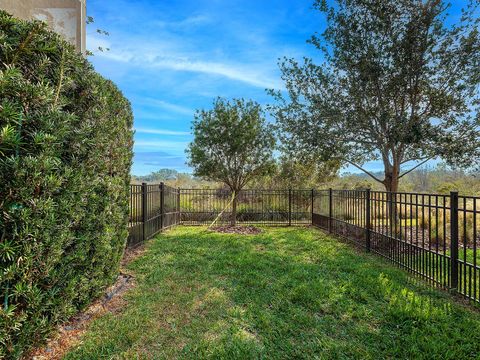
[427, 179]
[65, 157]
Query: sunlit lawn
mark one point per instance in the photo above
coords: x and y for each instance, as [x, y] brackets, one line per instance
[289, 293]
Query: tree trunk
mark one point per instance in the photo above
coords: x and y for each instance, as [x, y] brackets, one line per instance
[391, 185]
[391, 179]
[234, 209]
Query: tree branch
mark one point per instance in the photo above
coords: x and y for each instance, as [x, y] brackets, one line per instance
[60, 80]
[365, 171]
[416, 166]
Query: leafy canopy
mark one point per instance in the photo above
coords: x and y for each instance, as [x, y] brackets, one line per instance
[232, 143]
[291, 173]
[397, 84]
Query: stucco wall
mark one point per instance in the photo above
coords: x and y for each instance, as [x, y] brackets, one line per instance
[67, 17]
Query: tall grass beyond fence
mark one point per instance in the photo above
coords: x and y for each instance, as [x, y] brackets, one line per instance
[433, 236]
[254, 207]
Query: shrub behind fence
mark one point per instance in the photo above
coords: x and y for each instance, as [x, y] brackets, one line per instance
[154, 207]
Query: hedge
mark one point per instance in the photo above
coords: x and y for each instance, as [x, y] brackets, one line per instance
[65, 158]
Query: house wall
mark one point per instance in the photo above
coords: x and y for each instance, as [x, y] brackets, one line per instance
[67, 17]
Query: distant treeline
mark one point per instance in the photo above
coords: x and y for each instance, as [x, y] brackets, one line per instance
[438, 179]
[174, 178]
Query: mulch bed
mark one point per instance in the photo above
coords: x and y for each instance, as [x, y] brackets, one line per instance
[241, 230]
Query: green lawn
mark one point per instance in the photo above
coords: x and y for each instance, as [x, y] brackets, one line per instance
[289, 293]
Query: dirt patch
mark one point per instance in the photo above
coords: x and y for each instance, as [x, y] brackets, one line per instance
[241, 230]
[68, 335]
[132, 254]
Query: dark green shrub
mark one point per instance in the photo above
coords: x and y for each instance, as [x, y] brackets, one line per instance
[65, 157]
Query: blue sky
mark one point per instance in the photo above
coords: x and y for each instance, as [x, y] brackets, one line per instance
[172, 57]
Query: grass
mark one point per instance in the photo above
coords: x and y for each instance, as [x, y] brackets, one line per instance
[286, 293]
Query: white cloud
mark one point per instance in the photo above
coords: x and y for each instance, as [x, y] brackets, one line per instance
[165, 105]
[166, 55]
[187, 23]
[161, 145]
[233, 72]
[161, 132]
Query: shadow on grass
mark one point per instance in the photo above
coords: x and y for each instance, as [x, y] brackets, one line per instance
[286, 293]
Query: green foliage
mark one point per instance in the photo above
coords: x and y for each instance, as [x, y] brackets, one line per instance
[232, 144]
[291, 173]
[161, 175]
[285, 173]
[65, 156]
[398, 84]
[91, 20]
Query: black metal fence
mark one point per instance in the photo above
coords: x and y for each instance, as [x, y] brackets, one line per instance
[255, 207]
[433, 236]
[152, 209]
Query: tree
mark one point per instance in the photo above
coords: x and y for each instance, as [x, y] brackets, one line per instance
[161, 175]
[292, 173]
[397, 85]
[232, 144]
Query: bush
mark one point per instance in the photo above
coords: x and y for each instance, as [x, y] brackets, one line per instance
[65, 156]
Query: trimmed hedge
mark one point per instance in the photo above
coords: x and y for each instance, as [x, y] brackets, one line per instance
[65, 156]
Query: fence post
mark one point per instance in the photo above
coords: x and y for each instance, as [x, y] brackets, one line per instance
[179, 213]
[367, 220]
[289, 207]
[330, 209]
[162, 204]
[454, 241]
[144, 211]
[313, 199]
